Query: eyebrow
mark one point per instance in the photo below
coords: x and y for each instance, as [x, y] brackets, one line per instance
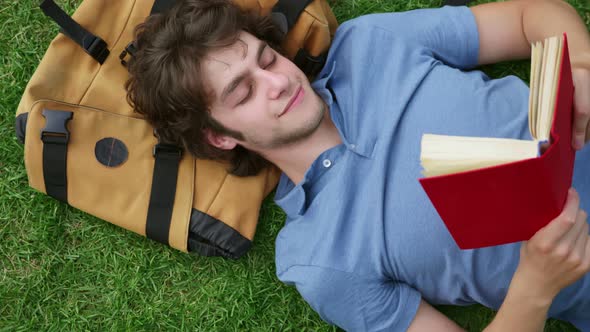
[238, 79]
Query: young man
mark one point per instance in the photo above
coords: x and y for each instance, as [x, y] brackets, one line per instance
[362, 243]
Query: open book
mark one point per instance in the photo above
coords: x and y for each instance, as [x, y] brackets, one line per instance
[491, 191]
[451, 154]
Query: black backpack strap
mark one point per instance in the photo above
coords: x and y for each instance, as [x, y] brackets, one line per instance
[160, 6]
[20, 126]
[165, 176]
[290, 9]
[93, 45]
[309, 64]
[286, 12]
[456, 2]
[167, 160]
[55, 137]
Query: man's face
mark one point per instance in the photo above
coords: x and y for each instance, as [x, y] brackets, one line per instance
[260, 94]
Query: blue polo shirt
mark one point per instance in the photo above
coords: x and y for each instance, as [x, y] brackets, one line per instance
[362, 242]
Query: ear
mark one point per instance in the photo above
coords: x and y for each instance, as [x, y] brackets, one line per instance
[222, 142]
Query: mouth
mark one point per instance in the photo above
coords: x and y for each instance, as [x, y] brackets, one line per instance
[295, 100]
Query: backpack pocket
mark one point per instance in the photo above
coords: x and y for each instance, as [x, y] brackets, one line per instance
[108, 168]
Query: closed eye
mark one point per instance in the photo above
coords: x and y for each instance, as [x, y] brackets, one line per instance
[250, 85]
[248, 95]
[272, 62]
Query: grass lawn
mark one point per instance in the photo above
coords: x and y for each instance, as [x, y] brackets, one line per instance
[61, 269]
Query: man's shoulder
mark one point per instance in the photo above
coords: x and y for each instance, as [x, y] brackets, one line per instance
[405, 24]
[385, 20]
[361, 23]
[367, 32]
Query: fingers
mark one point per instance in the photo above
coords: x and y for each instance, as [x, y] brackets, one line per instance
[579, 230]
[572, 247]
[578, 258]
[581, 77]
[581, 118]
[548, 236]
[559, 253]
[586, 262]
[581, 241]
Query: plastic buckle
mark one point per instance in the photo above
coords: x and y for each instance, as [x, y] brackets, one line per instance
[170, 150]
[55, 130]
[96, 47]
[129, 49]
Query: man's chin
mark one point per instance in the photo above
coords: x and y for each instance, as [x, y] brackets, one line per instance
[300, 135]
[287, 140]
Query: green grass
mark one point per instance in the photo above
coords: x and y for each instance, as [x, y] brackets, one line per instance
[61, 269]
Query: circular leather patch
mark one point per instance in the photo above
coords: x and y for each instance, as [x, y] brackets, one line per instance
[111, 152]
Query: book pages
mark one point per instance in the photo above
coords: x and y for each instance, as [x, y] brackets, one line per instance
[442, 154]
[536, 59]
[540, 91]
[547, 86]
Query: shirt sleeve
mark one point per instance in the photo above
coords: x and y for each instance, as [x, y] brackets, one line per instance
[448, 34]
[353, 302]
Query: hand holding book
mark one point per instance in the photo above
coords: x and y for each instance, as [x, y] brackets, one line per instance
[563, 245]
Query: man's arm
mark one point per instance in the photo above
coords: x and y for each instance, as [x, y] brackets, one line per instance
[555, 257]
[506, 30]
[429, 319]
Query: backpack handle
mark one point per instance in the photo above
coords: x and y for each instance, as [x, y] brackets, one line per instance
[95, 46]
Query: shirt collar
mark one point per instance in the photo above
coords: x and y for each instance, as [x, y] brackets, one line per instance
[321, 86]
[289, 197]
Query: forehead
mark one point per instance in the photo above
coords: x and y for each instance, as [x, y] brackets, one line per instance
[221, 65]
[236, 52]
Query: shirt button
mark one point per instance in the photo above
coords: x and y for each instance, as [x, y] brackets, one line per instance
[327, 163]
[352, 146]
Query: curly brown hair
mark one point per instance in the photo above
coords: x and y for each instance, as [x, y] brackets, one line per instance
[166, 84]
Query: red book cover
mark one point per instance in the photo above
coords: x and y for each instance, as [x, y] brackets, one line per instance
[511, 202]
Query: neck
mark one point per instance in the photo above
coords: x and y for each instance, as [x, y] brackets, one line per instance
[295, 159]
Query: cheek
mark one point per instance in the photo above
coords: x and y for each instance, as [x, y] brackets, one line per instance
[243, 118]
[223, 116]
[287, 66]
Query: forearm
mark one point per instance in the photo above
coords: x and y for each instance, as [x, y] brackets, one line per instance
[553, 17]
[523, 309]
[507, 29]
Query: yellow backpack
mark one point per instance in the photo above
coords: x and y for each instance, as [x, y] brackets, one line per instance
[85, 146]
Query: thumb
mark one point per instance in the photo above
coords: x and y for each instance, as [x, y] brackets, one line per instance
[558, 227]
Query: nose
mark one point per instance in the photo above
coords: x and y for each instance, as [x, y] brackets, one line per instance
[277, 83]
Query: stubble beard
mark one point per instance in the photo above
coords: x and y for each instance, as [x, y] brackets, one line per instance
[281, 139]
